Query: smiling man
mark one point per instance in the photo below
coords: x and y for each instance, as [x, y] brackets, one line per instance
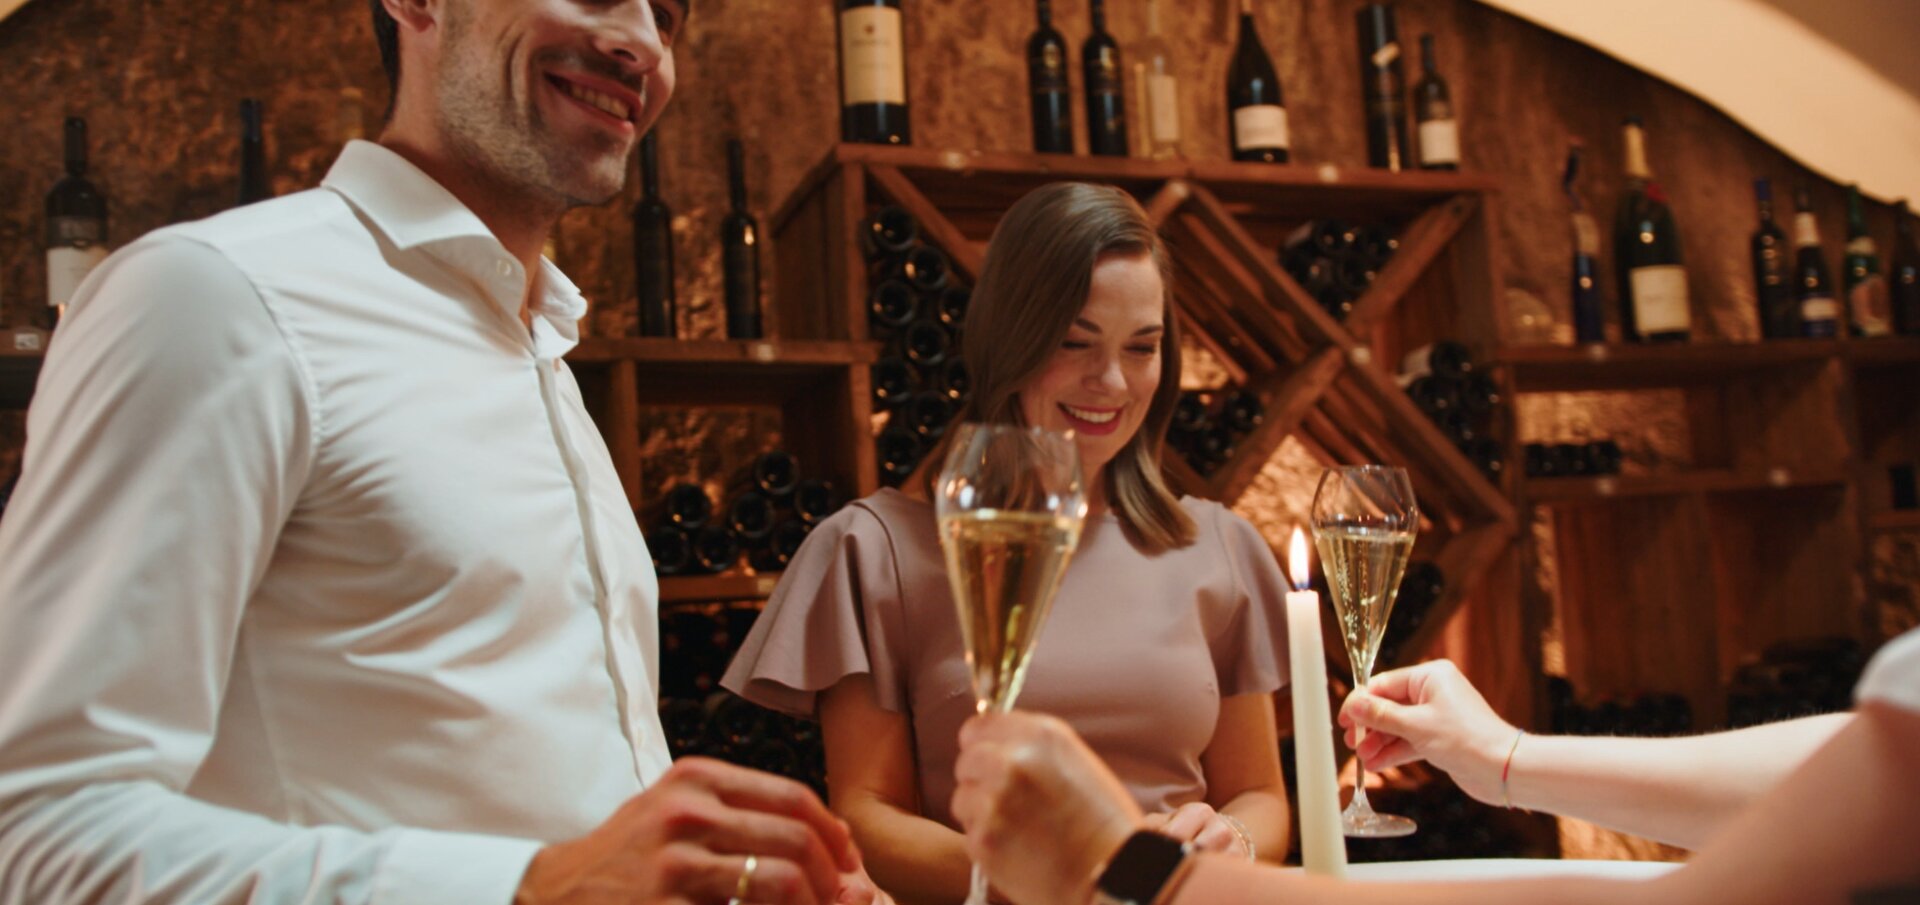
[319, 585]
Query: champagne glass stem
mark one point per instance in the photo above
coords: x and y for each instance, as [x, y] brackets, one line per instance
[978, 894]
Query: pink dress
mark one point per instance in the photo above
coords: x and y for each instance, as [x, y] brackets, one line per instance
[1136, 654]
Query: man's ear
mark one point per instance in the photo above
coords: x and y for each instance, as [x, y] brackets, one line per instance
[414, 15]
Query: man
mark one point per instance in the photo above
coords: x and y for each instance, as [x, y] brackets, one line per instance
[320, 586]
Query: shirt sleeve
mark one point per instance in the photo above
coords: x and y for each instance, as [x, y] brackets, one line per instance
[1893, 675]
[836, 613]
[169, 437]
[1251, 655]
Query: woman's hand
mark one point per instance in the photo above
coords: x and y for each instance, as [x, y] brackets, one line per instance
[1041, 811]
[1208, 829]
[1430, 712]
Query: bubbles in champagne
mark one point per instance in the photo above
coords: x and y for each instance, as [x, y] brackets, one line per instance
[1004, 567]
[1363, 566]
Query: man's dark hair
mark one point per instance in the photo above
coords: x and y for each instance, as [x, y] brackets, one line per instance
[386, 33]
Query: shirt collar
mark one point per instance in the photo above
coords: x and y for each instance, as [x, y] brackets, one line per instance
[416, 212]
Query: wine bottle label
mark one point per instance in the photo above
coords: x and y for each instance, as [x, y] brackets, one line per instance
[1440, 141]
[1660, 299]
[76, 231]
[67, 268]
[1050, 72]
[872, 56]
[1385, 56]
[1806, 230]
[1871, 307]
[1819, 308]
[1163, 108]
[1260, 126]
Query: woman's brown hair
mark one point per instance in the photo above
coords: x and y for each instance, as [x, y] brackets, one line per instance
[1038, 270]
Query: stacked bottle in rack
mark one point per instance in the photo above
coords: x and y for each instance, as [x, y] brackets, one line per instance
[770, 509]
[917, 305]
[1335, 262]
[1209, 425]
[1795, 679]
[1421, 587]
[1460, 399]
[1653, 714]
[702, 719]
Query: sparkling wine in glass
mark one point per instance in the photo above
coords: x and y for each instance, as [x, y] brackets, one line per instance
[1010, 505]
[1364, 520]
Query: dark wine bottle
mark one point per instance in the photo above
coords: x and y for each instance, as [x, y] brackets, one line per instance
[1589, 309]
[774, 473]
[653, 247]
[1479, 395]
[894, 379]
[952, 381]
[1433, 396]
[1867, 299]
[926, 269]
[1256, 109]
[750, 517]
[693, 646]
[686, 505]
[1773, 290]
[685, 723]
[1446, 359]
[1905, 274]
[899, 450]
[1216, 447]
[1812, 282]
[1384, 87]
[873, 73]
[924, 343]
[254, 185]
[890, 232]
[740, 251]
[1646, 251]
[671, 548]
[776, 550]
[715, 549]
[1047, 86]
[1105, 89]
[927, 415]
[891, 306]
[953, 306]
[1433, 114]
[1485, 454]
[1242, 411]
[76, 227]
[814, 499]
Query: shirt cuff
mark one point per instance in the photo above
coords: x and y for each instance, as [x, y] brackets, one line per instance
[434, 868]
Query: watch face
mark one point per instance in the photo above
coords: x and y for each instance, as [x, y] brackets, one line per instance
[1141, 867]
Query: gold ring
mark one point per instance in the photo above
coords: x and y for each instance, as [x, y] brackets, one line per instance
[746, 881]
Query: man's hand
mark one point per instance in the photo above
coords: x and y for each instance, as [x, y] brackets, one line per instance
[1430, 712]
[687, 839]
[1042, 813]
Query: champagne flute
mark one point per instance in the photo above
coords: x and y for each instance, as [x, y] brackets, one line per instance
[1364, 520]
[1010, 505]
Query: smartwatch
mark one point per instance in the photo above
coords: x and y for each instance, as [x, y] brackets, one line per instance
[1143, 868]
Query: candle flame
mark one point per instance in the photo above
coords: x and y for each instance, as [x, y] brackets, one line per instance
[1298, 566]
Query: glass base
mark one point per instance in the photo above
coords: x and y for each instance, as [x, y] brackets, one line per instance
[1370, 825]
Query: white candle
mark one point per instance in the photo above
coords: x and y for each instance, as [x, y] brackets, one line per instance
[1323, 849]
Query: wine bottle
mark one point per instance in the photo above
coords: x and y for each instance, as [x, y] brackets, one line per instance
[1867, 298]
[1047, 88]
[953, 306]
[891, 306]
[952, 380]
[1105, 89]
[774, 473]
[1433, 396]
[926, 268]
[1433, 113]
[685, 724]
[1190, 420]
[814, 499]
[253, 155]
[76, 227]
[924, 343]
[750, 517]
[1589, 316]
[1161, 111]
[1384, 85]
[1256, 109]
[1773, 293]
[927, 415]
[653, 247]
[1242, 411]
[774, 552]
[894, 379]
[1446, 359]
[873, 73]
[671, 548]
[686, 505]
[740, 251]
[715, 549]
[1485, 454]
[1646, 251]
[1905, 274]
[693, 647]
[890, 232]
[1478, 394]
[898, 449]
[1812, 283]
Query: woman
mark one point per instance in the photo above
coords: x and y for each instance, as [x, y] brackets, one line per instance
[1164, 642]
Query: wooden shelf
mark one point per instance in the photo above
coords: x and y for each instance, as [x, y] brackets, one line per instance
[1895, 520]
[19, 371]
[1903, 350]
[725, 587]
[1560, 491]
[716, 372]
[1617, 366]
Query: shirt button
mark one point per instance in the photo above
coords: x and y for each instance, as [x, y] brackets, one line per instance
[504, 266]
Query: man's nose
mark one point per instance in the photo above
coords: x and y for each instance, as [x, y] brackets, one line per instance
[627, 32]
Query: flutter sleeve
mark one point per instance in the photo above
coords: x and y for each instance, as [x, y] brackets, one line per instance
[835, 613]
[1251, 655]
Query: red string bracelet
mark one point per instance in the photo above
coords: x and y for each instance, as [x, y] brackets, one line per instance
[1505, 801]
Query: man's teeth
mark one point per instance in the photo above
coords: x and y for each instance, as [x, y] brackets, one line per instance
[608, 105]
[1091, 417]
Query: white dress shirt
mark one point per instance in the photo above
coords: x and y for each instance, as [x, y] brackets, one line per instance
[319, 585]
